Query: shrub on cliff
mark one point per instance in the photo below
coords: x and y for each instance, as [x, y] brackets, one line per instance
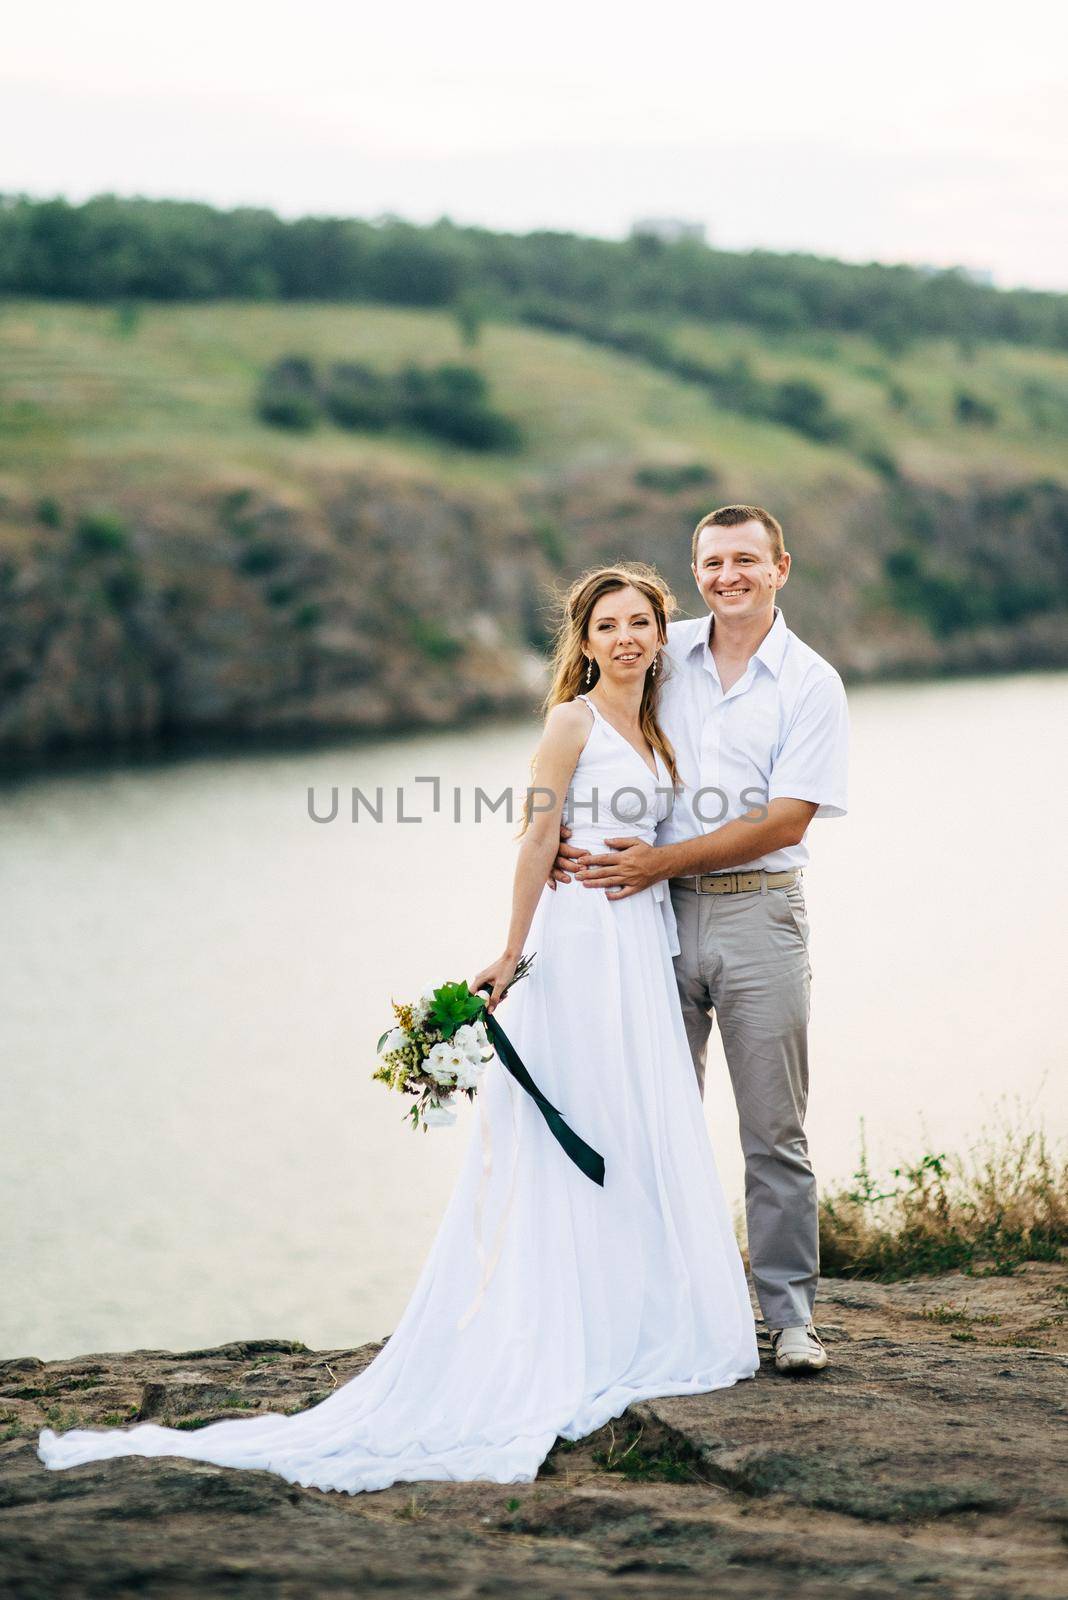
[359, 397]
[102, 533]
[796, 403]
[450, 402]
[671, 478]
[1007, 1205]
[949, 602]
[288, 396]
[972, 409]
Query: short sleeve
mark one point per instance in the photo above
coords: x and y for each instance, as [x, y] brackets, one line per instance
[813, 763]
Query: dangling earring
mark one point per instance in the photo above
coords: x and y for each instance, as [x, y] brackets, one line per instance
[652, 672]
[589, 671]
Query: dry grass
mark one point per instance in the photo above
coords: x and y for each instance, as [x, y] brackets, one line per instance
[1005, 1204]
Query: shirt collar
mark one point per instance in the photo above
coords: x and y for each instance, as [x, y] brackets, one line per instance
[772, 646]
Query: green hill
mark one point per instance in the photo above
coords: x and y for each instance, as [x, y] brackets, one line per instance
[177, 390]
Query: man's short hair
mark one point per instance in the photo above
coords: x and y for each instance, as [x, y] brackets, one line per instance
[733, 517]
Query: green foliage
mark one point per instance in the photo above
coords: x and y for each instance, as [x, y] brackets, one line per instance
[433, 641]
[234, 508]
[470, 315]
[951, 602]
[102, 533]
[799, 404]
[449, 402]
[897, 396]
[260, 556]
[944, 1316]
[288, 396]
[551, 541]
[672, 479]
[889, 327]
[357, 396]
[127, 318]
[1046, 405]
[880, 459]
[49, 511]
[946, 604]
[414, 266]
[454, 1004]
[124, 587]
[136, 250]
[795, 403]
[412, 1510]
[973, 410]
[22, 418]
[667, 1461]
[289, 409]
[1009, 1205]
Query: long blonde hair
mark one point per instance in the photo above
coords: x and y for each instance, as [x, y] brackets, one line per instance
[569, 664]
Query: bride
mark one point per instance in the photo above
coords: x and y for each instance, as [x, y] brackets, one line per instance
[547, 1304]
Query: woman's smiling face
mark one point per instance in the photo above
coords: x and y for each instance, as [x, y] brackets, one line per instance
[621, 636]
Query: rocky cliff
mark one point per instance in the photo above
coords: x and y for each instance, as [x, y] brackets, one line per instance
[929, 1458]
[141, 614]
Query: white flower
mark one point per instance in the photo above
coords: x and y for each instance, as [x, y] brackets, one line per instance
[469, 1072]
[395, 1039]
[473, 1040]
[440, 1063]
[439, 1116]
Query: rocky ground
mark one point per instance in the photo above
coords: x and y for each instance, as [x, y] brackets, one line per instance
[930, 1458]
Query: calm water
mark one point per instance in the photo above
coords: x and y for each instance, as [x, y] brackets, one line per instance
[194, 975]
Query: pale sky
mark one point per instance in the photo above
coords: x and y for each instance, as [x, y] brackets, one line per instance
[924, 132]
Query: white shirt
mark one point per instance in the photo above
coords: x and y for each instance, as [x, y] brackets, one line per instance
[781, 731]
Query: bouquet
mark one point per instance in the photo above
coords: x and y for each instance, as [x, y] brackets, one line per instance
[439, 1047]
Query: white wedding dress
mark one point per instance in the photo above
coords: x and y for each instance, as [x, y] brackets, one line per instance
[547, 1304]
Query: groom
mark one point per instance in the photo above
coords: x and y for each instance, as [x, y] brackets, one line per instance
[760, 730]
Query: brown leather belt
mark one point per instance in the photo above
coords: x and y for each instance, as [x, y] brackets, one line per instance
[738, 882]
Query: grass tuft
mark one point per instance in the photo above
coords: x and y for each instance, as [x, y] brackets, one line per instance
[658, 1461]
[986, 1215]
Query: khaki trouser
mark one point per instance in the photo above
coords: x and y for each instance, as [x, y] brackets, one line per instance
[744, 958]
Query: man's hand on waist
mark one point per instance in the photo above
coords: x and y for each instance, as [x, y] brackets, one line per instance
[632, 866]
[568, 857]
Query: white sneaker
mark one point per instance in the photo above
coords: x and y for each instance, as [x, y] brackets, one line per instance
[797, 1349]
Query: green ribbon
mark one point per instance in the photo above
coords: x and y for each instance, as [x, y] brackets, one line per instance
[582, 1154]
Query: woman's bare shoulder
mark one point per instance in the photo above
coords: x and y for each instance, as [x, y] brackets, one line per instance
[567, 725]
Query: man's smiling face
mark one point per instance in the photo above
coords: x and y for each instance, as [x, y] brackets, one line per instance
[736, 572]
